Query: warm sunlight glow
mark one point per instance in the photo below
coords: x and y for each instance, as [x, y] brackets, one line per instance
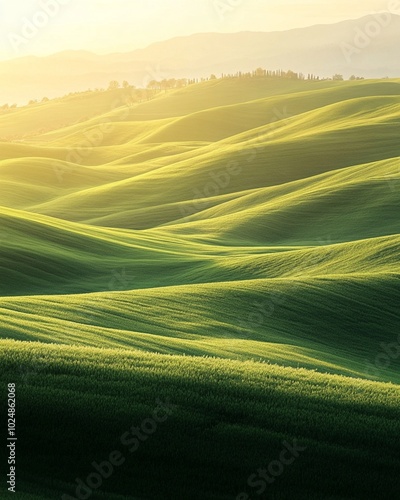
[42, 27]
[200, 249]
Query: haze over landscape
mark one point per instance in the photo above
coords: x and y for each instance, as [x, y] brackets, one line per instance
[199, 250]
[32, 68]
[108, 26]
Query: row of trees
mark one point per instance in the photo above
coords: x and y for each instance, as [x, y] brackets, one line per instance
[155, 86]
[287, 75]
[265, 73]
[6, 107]
[172, 83]
[165, 84]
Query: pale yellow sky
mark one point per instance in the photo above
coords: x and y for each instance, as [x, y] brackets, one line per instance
[41, 27]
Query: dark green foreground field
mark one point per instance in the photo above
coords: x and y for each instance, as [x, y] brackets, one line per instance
[218, 267]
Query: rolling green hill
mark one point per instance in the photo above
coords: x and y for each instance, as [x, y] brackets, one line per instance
[232, 246]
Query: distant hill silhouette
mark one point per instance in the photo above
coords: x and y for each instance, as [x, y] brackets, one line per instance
[367, 47]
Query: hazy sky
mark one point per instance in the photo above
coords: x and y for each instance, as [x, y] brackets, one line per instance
[121, 25]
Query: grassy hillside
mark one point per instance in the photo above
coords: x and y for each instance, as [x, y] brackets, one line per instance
[232, 246]
[225, 409]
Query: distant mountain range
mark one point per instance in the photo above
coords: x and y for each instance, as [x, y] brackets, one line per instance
[367, 47]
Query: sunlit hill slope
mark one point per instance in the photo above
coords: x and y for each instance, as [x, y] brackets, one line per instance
[252, 221]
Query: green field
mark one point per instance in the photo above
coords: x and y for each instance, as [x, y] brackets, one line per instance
[232, 248]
